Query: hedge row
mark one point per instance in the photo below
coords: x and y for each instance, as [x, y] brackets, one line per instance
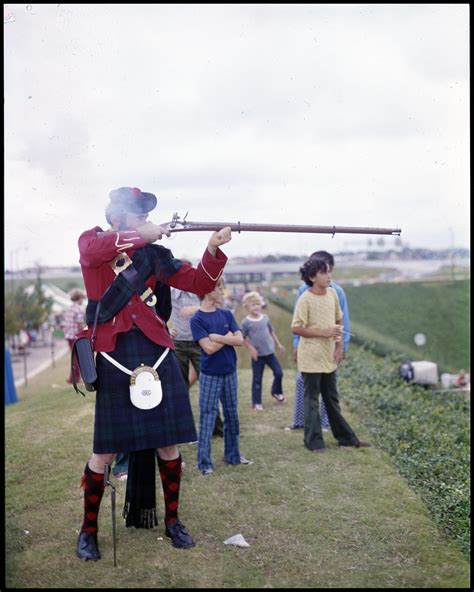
[426, 433]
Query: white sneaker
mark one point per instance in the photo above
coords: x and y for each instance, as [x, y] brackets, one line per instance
[257, 407]
[207, 471]
[245, 461]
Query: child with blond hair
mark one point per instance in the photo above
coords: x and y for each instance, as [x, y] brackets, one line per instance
[260, 339]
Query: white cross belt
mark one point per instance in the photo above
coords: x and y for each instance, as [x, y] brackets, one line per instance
[130, 372]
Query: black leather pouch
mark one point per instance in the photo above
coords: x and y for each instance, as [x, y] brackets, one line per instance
[83, 355]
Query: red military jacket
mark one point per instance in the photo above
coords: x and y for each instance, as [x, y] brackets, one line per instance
[96, 254]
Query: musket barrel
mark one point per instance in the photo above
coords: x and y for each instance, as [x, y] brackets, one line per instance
[188, 226]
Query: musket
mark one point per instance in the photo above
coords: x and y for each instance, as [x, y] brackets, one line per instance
[178, 224]
[107, 481]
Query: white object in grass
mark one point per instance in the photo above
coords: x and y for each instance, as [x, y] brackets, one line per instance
[237, 540]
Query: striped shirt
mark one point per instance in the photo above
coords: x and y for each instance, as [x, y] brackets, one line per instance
[73, 320]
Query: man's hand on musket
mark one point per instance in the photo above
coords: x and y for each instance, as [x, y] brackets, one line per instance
[151, 232]
[218, 238]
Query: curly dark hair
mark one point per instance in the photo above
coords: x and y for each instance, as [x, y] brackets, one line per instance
[311, 267]
[324, 255]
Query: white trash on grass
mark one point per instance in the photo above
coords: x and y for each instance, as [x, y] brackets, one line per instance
[237, 540]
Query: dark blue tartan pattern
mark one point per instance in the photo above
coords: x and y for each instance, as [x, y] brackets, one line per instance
[148, 260]
[120, 426]
[213, 388]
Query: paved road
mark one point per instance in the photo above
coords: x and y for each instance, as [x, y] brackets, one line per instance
[39, 357]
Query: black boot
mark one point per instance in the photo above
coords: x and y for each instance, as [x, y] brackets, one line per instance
[179, 536]
[87, 547]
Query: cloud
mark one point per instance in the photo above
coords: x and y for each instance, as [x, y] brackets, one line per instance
[333, 114]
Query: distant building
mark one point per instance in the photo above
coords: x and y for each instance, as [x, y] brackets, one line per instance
[241, 273]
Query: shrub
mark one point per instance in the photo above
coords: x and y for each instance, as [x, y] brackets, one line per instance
[427, 434]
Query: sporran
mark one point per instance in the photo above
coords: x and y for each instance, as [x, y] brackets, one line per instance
[145, 384]
[145, 388]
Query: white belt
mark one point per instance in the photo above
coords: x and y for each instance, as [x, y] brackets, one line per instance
[130, 372]
[145, 385]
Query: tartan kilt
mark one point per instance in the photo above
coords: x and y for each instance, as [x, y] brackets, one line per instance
[119, 426]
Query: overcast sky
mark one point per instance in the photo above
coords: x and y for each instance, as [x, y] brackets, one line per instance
[350, 115]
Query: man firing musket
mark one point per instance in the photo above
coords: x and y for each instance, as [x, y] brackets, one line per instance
[142, 403]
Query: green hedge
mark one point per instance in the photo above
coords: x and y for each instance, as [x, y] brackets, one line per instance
[427, 434]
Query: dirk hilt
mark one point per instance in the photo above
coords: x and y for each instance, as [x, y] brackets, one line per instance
[107, 481]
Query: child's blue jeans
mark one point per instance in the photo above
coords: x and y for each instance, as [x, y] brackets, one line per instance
[258, 367]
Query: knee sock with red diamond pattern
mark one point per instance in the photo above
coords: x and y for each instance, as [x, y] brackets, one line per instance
[93, 485]
[170, 473]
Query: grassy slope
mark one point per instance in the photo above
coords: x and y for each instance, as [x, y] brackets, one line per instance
[439, 310]
[346, 519]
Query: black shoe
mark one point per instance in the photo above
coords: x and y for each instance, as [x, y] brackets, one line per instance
[218, 433]
[179, 536]
[87, 547]
[358, 444]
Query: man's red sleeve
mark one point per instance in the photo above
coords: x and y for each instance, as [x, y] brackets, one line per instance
[97, 249]
[201, 280]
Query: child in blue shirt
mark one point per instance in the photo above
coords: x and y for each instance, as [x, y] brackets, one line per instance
[217, 332]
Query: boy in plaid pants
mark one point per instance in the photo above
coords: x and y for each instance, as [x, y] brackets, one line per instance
[217, 332]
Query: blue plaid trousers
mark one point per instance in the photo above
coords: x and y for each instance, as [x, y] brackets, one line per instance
[211, 390]
[298, 415]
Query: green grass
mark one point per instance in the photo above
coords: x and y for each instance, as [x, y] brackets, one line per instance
[342, 520]
[427, 438]
[426, 434]
[391, 314]
[352, 272]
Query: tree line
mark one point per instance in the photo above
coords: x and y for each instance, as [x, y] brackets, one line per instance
[25, 311]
